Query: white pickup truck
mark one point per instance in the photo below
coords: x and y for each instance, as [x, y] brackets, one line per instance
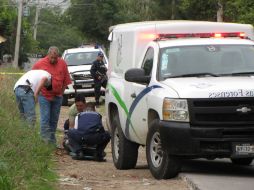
[183, 89]
[79, 62]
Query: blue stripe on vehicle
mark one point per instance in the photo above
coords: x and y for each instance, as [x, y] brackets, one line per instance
[134, 104]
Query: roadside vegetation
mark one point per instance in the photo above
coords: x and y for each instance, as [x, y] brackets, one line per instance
[25, 161]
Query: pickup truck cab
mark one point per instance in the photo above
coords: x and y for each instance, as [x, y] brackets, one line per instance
[183, 89]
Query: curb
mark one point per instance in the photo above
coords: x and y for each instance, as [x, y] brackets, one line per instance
[190, 183]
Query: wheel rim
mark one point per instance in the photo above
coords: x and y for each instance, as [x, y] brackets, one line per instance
[116, 144]
[156, 152]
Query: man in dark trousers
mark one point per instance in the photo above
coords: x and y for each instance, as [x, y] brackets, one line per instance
[88, 130]
[99, 74]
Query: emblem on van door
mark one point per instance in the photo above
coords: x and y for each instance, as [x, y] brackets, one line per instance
[243, 109]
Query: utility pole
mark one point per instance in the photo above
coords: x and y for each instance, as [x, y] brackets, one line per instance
[17, 45]
[36, 19]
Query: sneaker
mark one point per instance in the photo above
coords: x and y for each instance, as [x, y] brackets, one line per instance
[100, 157]
[103, 154]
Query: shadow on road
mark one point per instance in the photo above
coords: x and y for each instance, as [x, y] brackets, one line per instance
[216, 167]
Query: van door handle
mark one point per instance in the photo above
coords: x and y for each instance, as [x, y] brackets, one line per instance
[133, 95]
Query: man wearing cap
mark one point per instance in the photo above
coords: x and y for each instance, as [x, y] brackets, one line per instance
[99, 74]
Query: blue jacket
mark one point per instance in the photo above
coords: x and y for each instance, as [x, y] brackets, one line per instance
[89, 122]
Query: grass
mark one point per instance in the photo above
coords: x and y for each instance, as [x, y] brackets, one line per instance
[25, 160]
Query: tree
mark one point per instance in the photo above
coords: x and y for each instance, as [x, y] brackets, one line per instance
[198, 10]
[95, 17]
[241, 11]
[8, 24]
[7, 29]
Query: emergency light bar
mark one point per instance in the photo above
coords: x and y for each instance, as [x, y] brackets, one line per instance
[203, 35]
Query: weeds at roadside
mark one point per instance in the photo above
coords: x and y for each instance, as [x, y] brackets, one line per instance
[25, 160]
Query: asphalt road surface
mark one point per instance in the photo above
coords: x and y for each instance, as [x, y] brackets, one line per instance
[219, 174]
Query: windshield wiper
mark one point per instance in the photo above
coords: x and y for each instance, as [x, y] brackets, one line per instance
[194, 75]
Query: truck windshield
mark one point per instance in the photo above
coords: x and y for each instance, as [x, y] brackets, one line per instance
[80, 58]
[206, 60]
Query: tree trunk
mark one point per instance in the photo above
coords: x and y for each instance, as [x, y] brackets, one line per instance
[173, 6]
[220, 11]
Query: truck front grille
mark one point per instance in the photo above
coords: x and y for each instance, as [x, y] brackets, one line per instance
[81, 76]
[223, 111]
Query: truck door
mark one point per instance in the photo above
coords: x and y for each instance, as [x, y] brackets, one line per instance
[137, 100]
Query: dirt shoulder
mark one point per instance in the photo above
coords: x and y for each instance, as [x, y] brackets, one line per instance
[91, 175]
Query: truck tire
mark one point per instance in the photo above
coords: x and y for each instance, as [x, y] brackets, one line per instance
[65, 100]
[161, 164]
[242, 161]
[124, 152]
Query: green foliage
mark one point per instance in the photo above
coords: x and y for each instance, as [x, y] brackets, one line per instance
[94, 17]
[25, 160]
[8, 24]
[88, 21]
[241, 11]
[198, 9]
[53, 30]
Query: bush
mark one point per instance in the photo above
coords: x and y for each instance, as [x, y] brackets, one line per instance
[25, 160]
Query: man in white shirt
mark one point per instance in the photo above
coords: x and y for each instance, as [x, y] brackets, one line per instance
[27, 89]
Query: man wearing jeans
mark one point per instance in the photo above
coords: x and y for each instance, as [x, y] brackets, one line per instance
[50, 100]
[27, 89]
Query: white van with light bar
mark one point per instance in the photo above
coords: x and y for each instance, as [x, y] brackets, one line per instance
[183, 89]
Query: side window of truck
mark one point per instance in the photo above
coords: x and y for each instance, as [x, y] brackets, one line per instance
[147, 64]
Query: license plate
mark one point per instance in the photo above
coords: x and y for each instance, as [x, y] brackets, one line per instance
[243, 148]
[86, 85]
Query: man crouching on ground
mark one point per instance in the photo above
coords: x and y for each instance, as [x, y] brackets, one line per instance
[88, 130]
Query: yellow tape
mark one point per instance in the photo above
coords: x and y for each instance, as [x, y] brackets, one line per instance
[3, 73]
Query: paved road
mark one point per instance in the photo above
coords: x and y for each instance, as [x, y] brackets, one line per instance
[219, 174]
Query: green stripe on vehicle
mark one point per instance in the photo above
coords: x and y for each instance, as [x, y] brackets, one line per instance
[122, 104]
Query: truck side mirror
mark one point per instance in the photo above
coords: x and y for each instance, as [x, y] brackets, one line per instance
[137, 75]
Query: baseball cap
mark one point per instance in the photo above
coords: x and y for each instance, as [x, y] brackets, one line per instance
[100, 54]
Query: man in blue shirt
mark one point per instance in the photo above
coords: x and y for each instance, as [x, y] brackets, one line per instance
[90, 131]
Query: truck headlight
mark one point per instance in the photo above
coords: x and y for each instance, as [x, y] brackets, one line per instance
[175, 110]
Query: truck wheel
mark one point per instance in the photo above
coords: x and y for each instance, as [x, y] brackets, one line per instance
[65, 100]
[124, 152]
[242, 161]
[161, 164]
